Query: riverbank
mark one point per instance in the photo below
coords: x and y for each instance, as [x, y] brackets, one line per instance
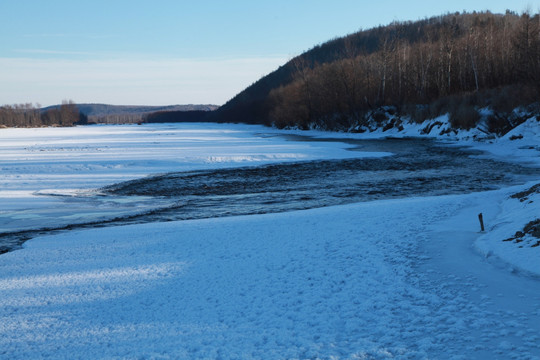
[347, 281]
[513, 235]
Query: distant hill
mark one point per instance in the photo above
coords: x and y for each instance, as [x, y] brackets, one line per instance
[456, 64]
[115, 114]
[103, 109]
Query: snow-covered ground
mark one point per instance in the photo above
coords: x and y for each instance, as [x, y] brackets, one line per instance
[411, 278]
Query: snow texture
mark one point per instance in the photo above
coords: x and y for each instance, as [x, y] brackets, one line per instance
[396, 279]
[520, 253]
[341, 282]
[93, 156]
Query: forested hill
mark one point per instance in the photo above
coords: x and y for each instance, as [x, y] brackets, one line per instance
[105, 109]
[456, 63]
[125, 114]
[69, 114]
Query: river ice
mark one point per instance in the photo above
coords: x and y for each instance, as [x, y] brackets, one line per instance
[72, 162]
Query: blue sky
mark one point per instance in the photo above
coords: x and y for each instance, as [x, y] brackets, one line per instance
[177, 52]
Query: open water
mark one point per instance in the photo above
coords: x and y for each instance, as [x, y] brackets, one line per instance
[418, 168]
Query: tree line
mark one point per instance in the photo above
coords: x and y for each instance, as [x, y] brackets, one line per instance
[177, 116]
[29, 115]
[452, 63]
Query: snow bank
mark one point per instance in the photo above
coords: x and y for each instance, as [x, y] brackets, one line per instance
[520, 145]
[340, 282]
[507, 238]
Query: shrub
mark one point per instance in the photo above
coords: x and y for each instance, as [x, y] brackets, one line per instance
[417, 113]
[498, 124]
[505, 100]
[379, 116]
[464, 116]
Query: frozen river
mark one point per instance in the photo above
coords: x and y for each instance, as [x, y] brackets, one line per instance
[417, 168]
[396, 273]
[271, 173]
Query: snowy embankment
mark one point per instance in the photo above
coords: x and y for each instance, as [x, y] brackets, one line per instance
[383, 279]
[517, 214]
[342, 282]
[514, 235]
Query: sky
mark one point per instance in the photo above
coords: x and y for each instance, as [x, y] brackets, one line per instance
[164, 52]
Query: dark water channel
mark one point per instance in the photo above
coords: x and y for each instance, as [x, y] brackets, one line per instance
[417, 168]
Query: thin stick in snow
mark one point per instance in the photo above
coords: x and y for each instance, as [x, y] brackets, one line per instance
[481, 218]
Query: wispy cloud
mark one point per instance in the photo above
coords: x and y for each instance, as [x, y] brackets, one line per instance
[51, 52]
[71, 35]
[130, 80]
[48, 35]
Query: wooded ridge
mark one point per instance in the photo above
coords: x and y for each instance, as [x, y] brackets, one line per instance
[29, 115]
[456, 64]
[69, 114]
